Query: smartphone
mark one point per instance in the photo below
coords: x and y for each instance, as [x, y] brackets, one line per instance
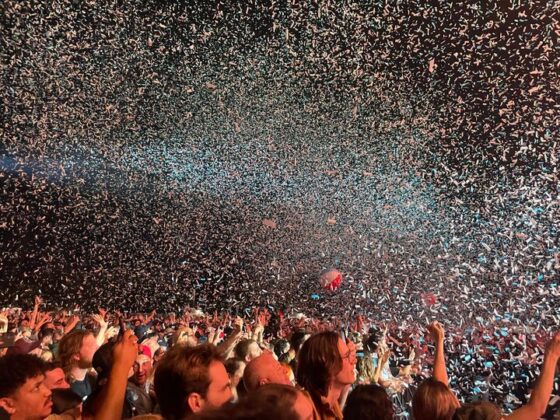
[122, 329]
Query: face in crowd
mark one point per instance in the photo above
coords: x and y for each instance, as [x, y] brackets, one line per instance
[219, 389]
[23, 393]
[142, 370]
[347, 374]
[55, 379]
[87, 350]
[31, 400]
[191, 379]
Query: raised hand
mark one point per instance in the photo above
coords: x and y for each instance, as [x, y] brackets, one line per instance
[436, 331]
[552, 348]
[3, 323]
[111, 332]
[238, 323]
[46, 317]
[126, 350]
[383, 355]
[412, 355]
[100, 320]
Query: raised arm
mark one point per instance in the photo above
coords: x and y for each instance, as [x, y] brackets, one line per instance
[33, 319]
[71, 323]
[540, 396]
[3, 322]
[124, 355]
[438, 334]
[44, 318]
[100, 337]
[226, 347]
[383, 356]
[150, 317]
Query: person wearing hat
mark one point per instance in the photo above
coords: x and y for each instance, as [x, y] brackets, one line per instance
[136, 401]
[23, 346]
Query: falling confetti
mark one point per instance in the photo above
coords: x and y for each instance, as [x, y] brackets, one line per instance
[161, 155]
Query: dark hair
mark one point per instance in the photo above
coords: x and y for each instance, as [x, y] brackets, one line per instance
[371, 342]
[274, 394]
[45, 332]
[285, 358]
[16, 369]
[433, 400]
[318, 362]
[241, 350]
[272, 401]
[102, 360]
[232, 365]
[52, 365]
[279, 347]
[181, 372]
[297, 339]
[368, 402]
[478, 411]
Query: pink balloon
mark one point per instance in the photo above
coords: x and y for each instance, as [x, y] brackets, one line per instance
[429, 299]
[331, 279]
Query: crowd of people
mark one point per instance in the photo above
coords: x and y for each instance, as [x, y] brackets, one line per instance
[62, 364]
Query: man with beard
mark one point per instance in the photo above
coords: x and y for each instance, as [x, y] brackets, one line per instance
[76, 352]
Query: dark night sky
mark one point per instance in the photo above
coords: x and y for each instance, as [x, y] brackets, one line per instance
[162, 154]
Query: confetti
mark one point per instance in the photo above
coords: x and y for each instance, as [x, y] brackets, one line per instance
[221, 157]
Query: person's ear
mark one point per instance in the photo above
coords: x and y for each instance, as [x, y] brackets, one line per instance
[8, 405]
[195, 402]
[263, 381]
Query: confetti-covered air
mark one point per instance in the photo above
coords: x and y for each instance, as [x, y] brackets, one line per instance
[225, 154]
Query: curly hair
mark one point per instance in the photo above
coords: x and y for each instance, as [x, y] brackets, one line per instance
[16, 369]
